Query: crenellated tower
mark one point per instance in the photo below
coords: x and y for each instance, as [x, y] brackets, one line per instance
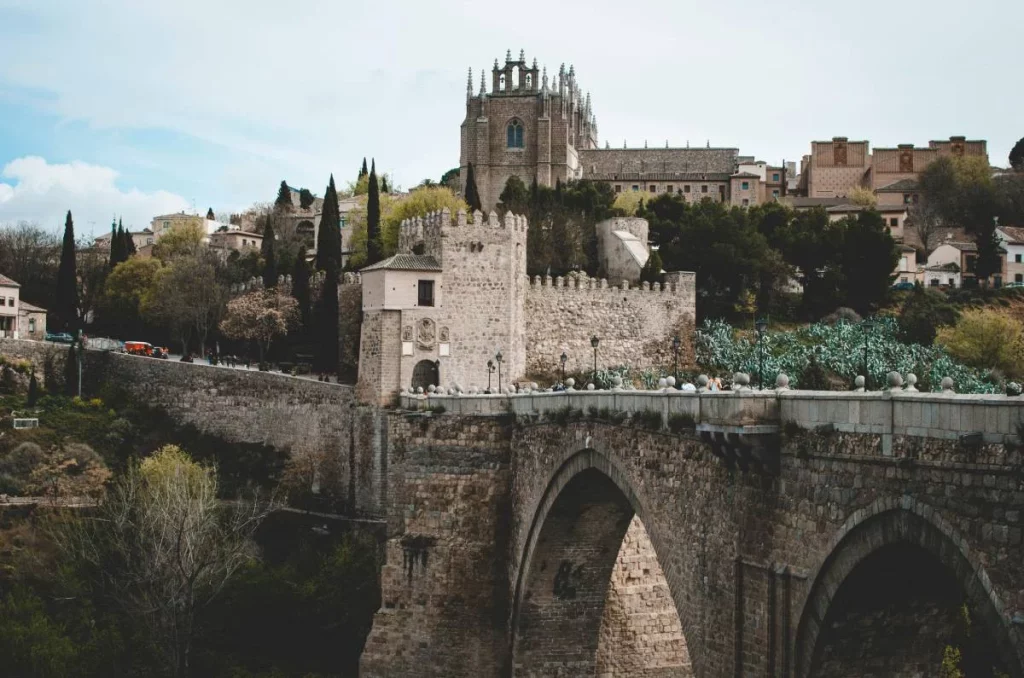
[526, 125]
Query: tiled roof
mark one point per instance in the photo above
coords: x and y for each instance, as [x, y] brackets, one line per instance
[799, 201]
[746, 175]
[25, 306]
[901, 186]
[1015, 233]
[846, 207]
[950, 266]
[4, 280]
[406, 262]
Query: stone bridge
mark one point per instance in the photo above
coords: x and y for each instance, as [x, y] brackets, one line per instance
[788, 533]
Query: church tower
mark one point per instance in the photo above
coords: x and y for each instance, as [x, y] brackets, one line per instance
[525, 126]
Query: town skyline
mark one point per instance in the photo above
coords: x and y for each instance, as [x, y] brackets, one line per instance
[207, 121]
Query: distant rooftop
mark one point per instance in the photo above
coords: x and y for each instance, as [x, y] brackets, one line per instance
[406, 262]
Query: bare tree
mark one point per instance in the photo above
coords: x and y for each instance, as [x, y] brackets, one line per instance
[161, 546]
[30, 255]
[260, 316]
[924, 220]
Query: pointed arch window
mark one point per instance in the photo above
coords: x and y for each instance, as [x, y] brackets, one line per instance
[514, 134]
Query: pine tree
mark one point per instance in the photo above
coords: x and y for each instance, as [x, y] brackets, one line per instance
[300, 289]
[989, 260]
[66, 299]
[471, 193]
[384, 184]
[71, 372]
[363, 171]
[328, 243]
[373, 245]
[269, 259]
[209, 215]
[129, 245]
[33, 390]
[284, 197]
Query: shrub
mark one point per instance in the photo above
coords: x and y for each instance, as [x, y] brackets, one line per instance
[842, 314]
[922, 314]
[814, 378]
[986, 338]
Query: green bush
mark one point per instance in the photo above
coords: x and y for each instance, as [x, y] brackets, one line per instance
[681, 422]
[649, 419]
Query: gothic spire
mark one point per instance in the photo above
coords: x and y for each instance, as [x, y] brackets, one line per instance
[469, 84]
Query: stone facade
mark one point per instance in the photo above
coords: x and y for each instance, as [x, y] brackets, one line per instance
[622, 247]
[634, 323]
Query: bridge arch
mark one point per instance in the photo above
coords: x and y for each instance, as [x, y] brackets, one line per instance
[562, 582]
[919, 534]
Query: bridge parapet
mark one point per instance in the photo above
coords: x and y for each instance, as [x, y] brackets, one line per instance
[967, 418]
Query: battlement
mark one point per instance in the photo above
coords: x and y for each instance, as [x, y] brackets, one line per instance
[681, 282]
[429, 229]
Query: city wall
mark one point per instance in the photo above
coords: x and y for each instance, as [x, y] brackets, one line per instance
[635, 324]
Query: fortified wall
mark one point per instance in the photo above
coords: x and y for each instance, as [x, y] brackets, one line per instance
[635, 324]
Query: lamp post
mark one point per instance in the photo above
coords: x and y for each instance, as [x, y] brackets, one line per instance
[675, 358]
[563, 358]
[762, 329]
[594, 341]
[490, 371]
[498, 358]
[867, 326]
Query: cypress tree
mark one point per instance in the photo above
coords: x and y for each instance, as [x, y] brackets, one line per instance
[328, 243]
[362, 171]
[129, 245]
[384, 184]
[472, 195]
[300, 289]
[373, 246]
[209, 215]
[115, 245]
[284, 196]
[33, 390]
[267, 250]
[66, 298]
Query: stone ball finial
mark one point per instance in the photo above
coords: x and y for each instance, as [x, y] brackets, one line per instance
[703, 381]
[616, 381]
[590, 386]
[431, 388]
[911, 381]
[663, 382]
[741, 379]
[947, 385]
[419, 390]
[782, 381]
[570, 382]
[858, 383]
[1013, 389]
[671, 381]
[894, 379]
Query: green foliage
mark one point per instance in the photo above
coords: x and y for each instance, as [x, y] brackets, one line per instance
[306, 198]
[63, 317]
[269, 260]
[328, 246]
[284, 197]
[471, 192]
[838, 348]
[1016, 157]
[681, 422]
[649, 419]
[922, 314]
[986, 338]
[611, 416]
[813, 377]
[652, 269]
[564, 415]
[450, 179]
[374, 246]
[33, 390]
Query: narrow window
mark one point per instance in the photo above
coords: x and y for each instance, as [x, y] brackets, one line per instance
[635, 188]
[775, 176]
[618, 188]
[686, 188]
[3, 301]
[906, 198]
[1019, 278]
[32, 322]
[775, 193]
[669, 188]
[934, 282]
[514, 134]
[1017, 258]
[745, 186]
[426, 293]
[654, 188]
[894, 221]
[704, 188]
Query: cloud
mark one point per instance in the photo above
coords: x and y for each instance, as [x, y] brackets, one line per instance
[31, 189]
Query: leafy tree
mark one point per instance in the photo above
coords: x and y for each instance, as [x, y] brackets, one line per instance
[69, 470]
[450, 179]
[284, 197]
[362, 170]
[184, 241]
[862, 195]
[328, 246]
[267, 250]
[300, 290]
[1017, 155]
[210, 215]
[161, 548]
[986, 338]
[515, 197]
[373, 239]
[65, 308]
[186, 298]
[867, 260]
[417, 203]
[923, 313]
[306, 198]
[126, 286]
[260, 316]
[471, 192]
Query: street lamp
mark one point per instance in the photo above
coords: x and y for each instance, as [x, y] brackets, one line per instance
[867, 326]
[762, 329]
[675, 359]
[594, 341]
[563, 358]
[490, 371]
[498, 358]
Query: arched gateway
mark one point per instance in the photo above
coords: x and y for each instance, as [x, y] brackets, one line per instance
[590, 597]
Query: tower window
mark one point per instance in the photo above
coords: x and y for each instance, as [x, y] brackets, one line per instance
[618, 188]
[704, 188]
[514, 134]
[654, 188]
[426, 293]
[746, 186]
[686, 188]
[775, 176]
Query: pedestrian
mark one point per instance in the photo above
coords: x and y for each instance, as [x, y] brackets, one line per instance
[716, 385]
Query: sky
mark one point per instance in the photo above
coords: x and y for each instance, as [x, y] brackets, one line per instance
[129, 108]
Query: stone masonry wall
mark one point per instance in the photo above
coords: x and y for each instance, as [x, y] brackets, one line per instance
[635, 325]
[640, 633]
[37, 352]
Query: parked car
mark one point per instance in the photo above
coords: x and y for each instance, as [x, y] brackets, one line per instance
[903, 286]
[138, 348]
[161, 352]
[60, 337]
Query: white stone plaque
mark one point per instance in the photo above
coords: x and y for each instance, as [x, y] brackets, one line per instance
[444, 350]
[406, 348]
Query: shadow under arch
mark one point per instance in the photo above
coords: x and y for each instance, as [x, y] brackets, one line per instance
[591, 487]
[893, 522]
